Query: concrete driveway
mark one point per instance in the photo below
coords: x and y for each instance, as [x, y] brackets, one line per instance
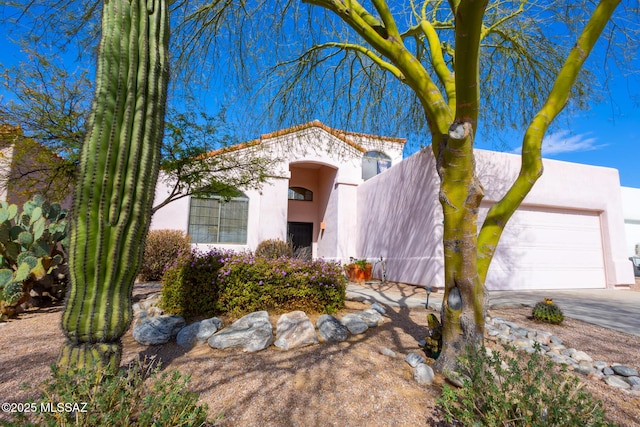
[614, 309]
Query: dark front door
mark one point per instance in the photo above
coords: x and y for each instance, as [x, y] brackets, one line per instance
[301, 235]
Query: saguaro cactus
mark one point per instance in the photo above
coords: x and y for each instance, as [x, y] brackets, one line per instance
[118, 173]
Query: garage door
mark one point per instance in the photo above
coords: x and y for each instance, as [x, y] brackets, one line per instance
[549, 249]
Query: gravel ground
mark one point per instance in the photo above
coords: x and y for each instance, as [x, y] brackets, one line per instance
[349, 383]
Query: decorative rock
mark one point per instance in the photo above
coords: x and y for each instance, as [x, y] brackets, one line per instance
[388, 352]
[555, 340]
[543, 338]
[330, 329]
[600, 365]
[414, 359]
[377, 307]
[370, 317]
[158, 329]
[607, 371]
[423, 374]
[198, 332]
[295, 330]
[581, 356]
[523, 342]
[585, 368]
[616, 381]
[151, 301]
[354, 323]
[252, 332]
[634, 381]
[624, 371]
[521, 332]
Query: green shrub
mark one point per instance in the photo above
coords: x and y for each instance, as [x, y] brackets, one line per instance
[520, 390]
[546, 311]
[248, 284]
[236, 284]
[161, 249]
[189, 285]
[274, 248]
[138, 396]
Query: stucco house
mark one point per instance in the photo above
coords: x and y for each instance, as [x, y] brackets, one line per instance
[345, 194]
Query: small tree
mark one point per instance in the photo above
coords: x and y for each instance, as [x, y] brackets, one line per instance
[435, 51]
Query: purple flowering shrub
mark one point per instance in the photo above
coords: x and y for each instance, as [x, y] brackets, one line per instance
[216, 282]
[247, 283]
[189, 286]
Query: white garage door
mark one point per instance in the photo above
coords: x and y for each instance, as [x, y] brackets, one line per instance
[549, 249]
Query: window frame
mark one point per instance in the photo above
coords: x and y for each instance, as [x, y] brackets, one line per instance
[306, 191]
[223, 223]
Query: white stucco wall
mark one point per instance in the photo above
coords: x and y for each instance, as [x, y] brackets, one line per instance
[631, 213]
[400, 218]
[338, 159]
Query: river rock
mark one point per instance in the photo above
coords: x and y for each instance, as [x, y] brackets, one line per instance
[198, 333]
[295, 330]
[252, 332]
[616, 381]
[330, 329]
[377, 307]
[414, 359]
[624, 371]
[354, 323]
[423, 374]
[370, 317]
[158, 329]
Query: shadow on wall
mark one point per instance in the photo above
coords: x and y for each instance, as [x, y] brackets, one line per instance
[399, 218]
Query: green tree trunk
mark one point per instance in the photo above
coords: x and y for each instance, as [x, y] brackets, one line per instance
[117, 178]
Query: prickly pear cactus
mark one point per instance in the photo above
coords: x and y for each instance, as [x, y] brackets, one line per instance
[32, 252]
[546, 311]
[116, 182]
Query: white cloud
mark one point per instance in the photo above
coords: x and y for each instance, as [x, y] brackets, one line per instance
[564, 142]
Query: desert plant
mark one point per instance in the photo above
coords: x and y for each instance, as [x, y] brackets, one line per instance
[32, 253]
[189, 285]
[515, 388]
[137, 396]
[161, 249]
[206, 284]
[116, 180]
[274, 248]
[246, 283]
[548, 312]
[361, 263]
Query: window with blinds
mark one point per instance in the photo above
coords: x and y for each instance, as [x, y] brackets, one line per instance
[214, 220]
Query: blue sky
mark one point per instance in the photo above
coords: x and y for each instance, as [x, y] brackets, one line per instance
[608, 134]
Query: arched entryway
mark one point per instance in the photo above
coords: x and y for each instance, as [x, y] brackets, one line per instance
[311, 212]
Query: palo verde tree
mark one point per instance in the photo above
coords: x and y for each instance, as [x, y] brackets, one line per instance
[446, 54]
[118, 172]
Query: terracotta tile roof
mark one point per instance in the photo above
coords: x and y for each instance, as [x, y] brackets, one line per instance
[342, 135]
